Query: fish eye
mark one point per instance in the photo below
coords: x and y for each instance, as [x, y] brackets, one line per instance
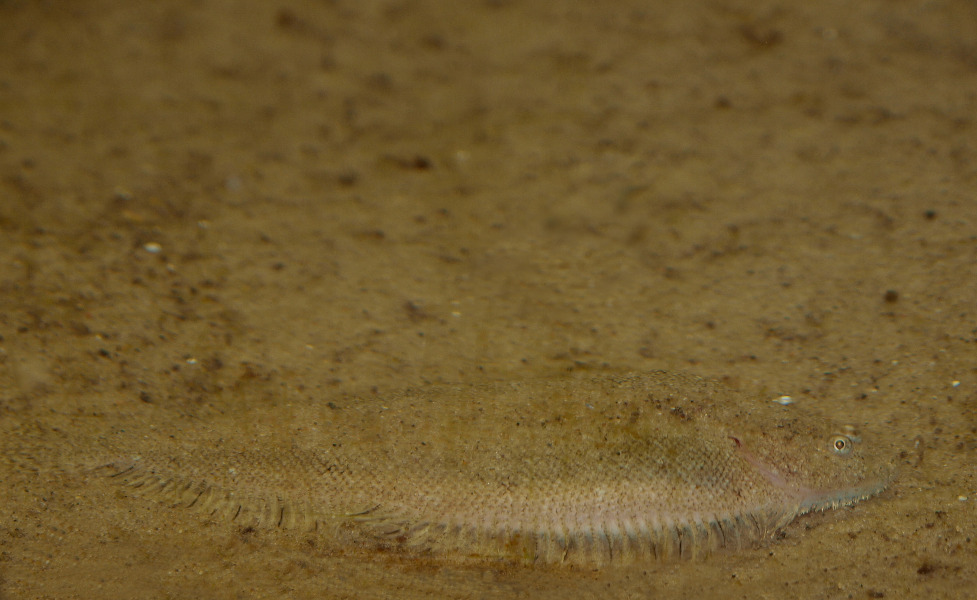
[841, 444]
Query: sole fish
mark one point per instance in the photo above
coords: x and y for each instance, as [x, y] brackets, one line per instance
[578, 471]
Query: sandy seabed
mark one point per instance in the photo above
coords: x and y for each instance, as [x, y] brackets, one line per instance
[213, 208]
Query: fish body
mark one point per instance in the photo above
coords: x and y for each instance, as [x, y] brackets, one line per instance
[568, 470]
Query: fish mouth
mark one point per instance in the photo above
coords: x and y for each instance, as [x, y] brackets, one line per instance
[823, 499]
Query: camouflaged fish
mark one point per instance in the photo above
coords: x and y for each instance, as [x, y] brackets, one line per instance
[582, 471]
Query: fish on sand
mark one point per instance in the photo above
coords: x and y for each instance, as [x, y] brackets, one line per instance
[572, 470]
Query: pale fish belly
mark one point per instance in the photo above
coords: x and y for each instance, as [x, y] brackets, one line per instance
[581, 471]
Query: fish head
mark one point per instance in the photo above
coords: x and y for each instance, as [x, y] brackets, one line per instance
[817, 462]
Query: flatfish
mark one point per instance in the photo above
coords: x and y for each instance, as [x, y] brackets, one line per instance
[584, 471]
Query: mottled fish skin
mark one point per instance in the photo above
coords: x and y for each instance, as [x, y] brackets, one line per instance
[570, 470]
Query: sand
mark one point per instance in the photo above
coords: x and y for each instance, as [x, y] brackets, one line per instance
[213, 208]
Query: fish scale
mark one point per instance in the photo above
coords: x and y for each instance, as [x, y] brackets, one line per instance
[587, 471]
